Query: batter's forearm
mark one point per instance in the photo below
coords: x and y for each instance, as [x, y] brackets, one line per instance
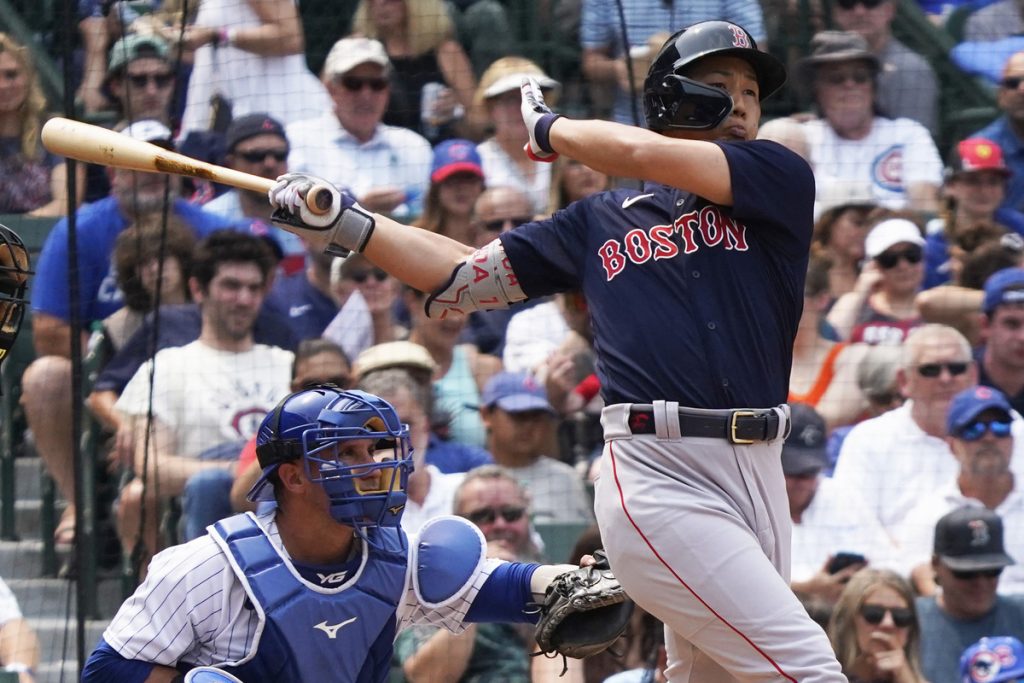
[421, 259]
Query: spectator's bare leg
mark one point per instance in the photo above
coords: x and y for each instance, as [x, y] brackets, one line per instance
[130, 521]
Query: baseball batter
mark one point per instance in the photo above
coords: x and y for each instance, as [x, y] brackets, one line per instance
[695, 288]
[317, 589]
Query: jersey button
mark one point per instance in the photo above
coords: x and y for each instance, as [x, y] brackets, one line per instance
[695, 274]
[712, 326]
[725, 382]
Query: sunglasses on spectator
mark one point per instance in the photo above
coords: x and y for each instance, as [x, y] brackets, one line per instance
[357, 83]
[976, 574]
[140, 81]
[850, 4]
[1011, 82]
[933, 370]
[902, 617]
[975, 430]
[858, 76]
[361, 276]
[498, 224]
[888, 259]
[509, 513]
[256, 156]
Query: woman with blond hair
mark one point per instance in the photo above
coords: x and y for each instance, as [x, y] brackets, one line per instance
[32, 180]
[874, 629]
[431, 79]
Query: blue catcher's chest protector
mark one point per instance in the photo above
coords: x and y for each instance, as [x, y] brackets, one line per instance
[307, 634]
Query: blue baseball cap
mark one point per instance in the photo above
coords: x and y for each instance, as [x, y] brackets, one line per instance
[1004, 287]
[515, 392]
[970, 403]
[455, 156]
[993, 660]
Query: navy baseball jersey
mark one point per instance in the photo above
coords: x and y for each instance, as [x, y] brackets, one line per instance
[690, 301]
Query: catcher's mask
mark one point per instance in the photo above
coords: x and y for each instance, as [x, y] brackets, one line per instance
[673, 101]
[365, 481]
[14, 274]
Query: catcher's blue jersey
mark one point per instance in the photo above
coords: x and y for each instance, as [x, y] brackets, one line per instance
[689, 301]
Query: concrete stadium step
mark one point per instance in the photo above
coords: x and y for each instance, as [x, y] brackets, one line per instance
[45, 598]
[27, 474]
[28, 516]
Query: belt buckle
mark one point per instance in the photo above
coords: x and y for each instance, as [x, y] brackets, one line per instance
[732, 426]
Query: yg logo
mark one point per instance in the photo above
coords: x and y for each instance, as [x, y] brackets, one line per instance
[332, 630]
[336, 577]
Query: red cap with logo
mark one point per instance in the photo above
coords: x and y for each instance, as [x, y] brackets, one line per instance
[977, 154]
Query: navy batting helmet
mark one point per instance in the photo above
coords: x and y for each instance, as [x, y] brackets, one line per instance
[673, 101]
[314, 425]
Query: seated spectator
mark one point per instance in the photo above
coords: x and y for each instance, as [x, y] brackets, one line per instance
[1000, 362]
[993, 660]
[256, 144]
[32, 180]
[140, 78]
[205, 399]
[828, 521]
[520, 424]
[305, 299]
[19, 644]
[980, 428]
[502, 154]
[968, 559]
[900, 456]
[907, 87]
[823, 372]
[367, 296]
[882, 309]
[571, 180]
[430, 68]
[1007, 131]
[494, 501]
[45, 383]
[851, 142]
[456, 181]
[972, 194]
[386, 167]
[839, 235]
[248, 57]
[875, 630]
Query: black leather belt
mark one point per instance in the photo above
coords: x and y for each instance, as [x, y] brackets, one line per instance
[738, 427]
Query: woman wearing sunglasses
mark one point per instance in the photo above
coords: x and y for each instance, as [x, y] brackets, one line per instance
[881, 307]
[874, 629]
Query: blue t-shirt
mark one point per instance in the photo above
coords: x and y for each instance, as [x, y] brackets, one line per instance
[689, 301]
[1001, 133]
[307, 309]
[98, 225]
[452, 456]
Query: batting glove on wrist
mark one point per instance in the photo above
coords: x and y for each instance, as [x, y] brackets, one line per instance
[538, 118]
[348, 224]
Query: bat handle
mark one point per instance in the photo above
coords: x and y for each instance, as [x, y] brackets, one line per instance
[319, 200]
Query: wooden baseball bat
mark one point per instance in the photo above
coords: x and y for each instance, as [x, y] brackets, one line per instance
[96, 145]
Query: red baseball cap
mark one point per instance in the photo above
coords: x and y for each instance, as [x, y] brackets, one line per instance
[977, 154]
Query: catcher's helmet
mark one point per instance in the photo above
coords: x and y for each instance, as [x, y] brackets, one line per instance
[313, 424]
[993, 660]
[673, 101]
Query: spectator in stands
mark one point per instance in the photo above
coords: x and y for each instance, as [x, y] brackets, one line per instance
[605, 56]
[456, 181]
[823, 370]
[19, 645]
[45, 383]
[519, 421]
[980, 427]
[851, 142]
[256, 144]
[152, 265]
[975, 186]
[305, 299]
[875, 630]
[367, 297]
[462, 371]
[249, 57]
[907, 87]
[502, 154]
[571, 180]
[881, 308]
[1007, 131]
[998, 20]
[968, 559]
[205, 399]
[901, 455]
[485, 30]
[494, 501]
[140, 78]
[839, 235]
[429, 66]
[32, 180]
[1001, 357]
[827, 520]
[386, 167]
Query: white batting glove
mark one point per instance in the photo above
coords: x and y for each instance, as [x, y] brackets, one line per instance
[210, 674]
[348, 225]
[289, 194]
[538, 118]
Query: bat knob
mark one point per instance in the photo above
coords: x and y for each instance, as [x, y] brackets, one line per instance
[319, 199]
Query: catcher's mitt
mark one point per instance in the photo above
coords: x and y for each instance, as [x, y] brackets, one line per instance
[584, 611]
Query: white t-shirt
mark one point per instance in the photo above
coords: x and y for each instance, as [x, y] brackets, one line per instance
[532, 335]
[896, 154]
[209, 397]
[352, 326]
[191, 589]
[501, 171]
[9, 610]
[440, 500]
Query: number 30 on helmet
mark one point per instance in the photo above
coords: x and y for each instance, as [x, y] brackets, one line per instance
[673, 101]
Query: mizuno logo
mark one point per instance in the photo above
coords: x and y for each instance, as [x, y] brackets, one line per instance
[332, 631]
[630, 201]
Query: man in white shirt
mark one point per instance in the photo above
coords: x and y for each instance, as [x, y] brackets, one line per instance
[206, 398]
[386, 168]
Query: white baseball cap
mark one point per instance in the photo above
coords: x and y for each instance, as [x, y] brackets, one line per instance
[348, 53]
[515, 81]
[149, 130]
[889, 233]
